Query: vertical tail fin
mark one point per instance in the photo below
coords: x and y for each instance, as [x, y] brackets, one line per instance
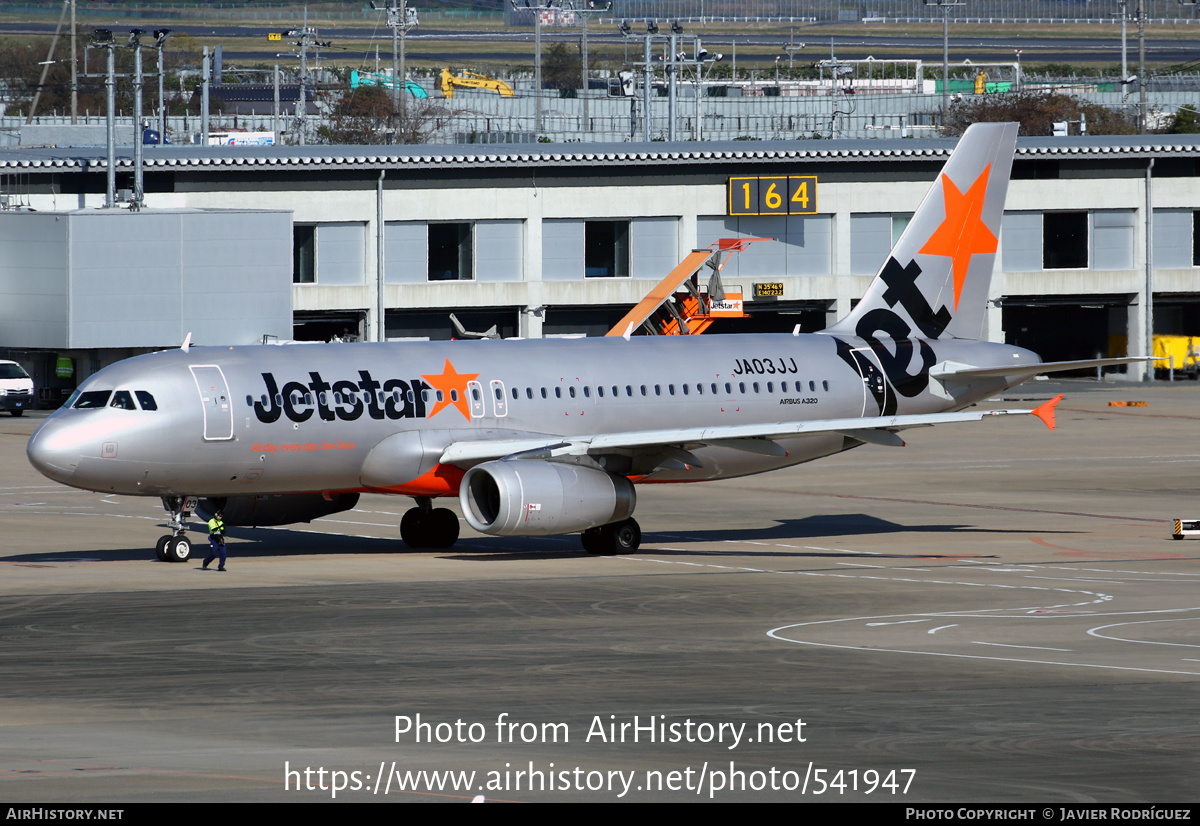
[935, 281]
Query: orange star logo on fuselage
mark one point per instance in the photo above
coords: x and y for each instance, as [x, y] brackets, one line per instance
[962, 233]
[453, 388]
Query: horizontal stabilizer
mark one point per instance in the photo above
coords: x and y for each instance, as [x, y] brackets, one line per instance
[965, 373]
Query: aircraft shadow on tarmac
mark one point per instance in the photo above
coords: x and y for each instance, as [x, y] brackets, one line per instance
[281, 542]
[824, 528]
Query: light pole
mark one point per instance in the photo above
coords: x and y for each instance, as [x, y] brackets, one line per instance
[672, 100]
[400, 18]
[160, 42]
[103, 39]
[135, 43]
[945, 6]
[537, 9]
[791, 47]
[585, 12]
[700, 59]
[1142, 103]
[307, 39]
[1124, 53]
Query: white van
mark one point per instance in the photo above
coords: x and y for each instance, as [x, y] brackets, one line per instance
[16, 388]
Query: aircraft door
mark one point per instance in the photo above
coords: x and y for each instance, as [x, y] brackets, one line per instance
[475, 396]
[214, 399]
[875, 386]
[500, 404]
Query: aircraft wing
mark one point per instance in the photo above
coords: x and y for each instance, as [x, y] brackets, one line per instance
[754, 438]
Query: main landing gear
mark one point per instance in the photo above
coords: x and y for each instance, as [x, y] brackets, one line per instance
[622, 537]
[175, 547]
[428, 527]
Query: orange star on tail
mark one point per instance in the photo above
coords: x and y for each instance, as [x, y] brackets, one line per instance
[453, 387]
[962, 233]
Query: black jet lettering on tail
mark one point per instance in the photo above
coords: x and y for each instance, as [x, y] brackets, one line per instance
[902, 289]
[897, 363]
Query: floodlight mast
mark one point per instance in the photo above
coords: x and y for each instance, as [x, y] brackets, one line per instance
[135, 43]
[945, 6]
[584, 13]
[103, 39]
[400, 18]
[537, 9]
[160, 41]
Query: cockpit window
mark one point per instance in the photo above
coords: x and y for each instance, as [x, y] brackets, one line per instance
[146, 400]
[92, 399]
[123, 400]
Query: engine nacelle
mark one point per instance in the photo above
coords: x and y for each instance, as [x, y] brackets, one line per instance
[262, 511]
[536, 498]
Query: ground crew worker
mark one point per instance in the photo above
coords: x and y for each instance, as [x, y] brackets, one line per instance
[216, 540]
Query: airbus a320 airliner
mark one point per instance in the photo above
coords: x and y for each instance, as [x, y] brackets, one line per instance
[541, 437]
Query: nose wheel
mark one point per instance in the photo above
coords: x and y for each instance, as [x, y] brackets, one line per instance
[175, 546]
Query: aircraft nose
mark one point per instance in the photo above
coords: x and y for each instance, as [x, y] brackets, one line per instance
[54, 452]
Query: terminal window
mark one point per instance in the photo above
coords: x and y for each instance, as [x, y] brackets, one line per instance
[304, 254]
[606, 249]
[450, 252]
[1196, 239]
[1064, 240]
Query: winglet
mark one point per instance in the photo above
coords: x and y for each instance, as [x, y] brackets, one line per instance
[187, 343]
[1046, 411]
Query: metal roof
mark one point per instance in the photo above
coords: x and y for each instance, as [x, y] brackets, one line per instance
[427, 156]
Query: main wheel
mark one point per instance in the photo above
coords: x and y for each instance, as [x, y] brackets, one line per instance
[441, 528]
[618, 538]
[160, 549]
[593, 541]
[414, 528]
[626, 536]
[179, 549]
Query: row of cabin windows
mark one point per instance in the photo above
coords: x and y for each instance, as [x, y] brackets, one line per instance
[600, 391]
[684, 389]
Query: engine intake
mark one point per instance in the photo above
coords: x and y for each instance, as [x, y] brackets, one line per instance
[537, 498]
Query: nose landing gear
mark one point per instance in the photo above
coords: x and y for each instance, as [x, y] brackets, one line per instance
[175, 547]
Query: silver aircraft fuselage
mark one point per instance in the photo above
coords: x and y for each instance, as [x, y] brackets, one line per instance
[262, 420]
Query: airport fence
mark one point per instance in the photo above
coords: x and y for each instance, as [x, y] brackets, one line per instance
[478, 118]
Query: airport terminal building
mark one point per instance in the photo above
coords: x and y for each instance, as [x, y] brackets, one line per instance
[242, 245]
